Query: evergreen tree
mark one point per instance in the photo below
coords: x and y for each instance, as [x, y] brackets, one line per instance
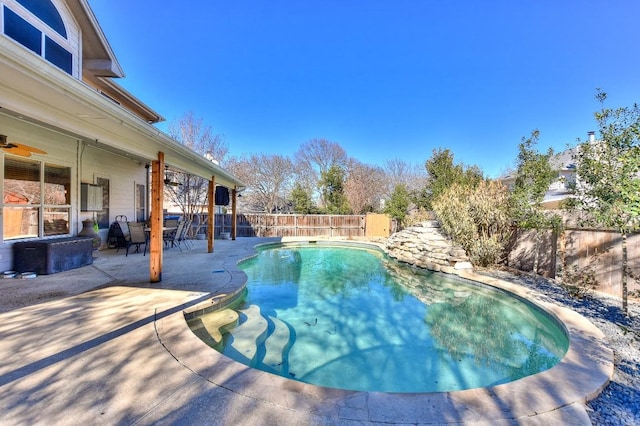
[398, 204]
[332, 189]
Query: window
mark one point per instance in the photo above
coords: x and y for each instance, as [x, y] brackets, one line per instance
[39, 37]
[47, 13]
[141, 197]
[37, 199]
[22, 31]
[57, 55]
[103, 216]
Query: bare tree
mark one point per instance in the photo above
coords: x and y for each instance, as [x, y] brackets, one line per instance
[186, 191]
[365, 187]
[399, 172]
[192, 133]
[268, 179]
[316, 157]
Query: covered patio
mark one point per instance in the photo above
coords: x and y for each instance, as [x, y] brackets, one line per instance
[62, 128]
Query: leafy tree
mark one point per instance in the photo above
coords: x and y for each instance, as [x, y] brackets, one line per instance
[442, 173]
[316, 157]
[534, 174]
[332, 189]
[398, 204]
[607, 188]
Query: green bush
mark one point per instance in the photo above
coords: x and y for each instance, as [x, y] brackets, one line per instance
[477, 219]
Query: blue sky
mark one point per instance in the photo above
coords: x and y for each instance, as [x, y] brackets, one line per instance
[384, 79]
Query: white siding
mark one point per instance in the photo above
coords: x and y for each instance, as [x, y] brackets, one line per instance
[123, 174]
[86, 164]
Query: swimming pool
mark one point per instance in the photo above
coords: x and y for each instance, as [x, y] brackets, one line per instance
[352, 319]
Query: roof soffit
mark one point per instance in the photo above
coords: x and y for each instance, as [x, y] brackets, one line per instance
[97, 56]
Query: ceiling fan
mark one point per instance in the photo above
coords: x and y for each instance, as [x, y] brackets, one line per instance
[18, 148]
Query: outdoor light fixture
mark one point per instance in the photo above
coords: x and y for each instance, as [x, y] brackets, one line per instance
[167, 178]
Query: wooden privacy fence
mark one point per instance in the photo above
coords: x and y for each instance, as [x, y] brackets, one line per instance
[598, 249]
[294, 225]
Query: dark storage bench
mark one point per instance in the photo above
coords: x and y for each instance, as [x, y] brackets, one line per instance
[53, 255]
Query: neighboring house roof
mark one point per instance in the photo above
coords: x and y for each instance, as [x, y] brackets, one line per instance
[564, 163]
[93, 107]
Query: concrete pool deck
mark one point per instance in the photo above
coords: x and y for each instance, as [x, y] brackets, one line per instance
[100, 344]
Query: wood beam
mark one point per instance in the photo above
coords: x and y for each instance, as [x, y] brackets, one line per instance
[211, 228]
[234, 197]
[157, 208]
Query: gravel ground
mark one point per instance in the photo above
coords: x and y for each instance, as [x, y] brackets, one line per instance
[619, 403]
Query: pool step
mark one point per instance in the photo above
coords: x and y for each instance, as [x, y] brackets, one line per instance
[277, 345]
[261, 340]
[250, 333]
[212, 326]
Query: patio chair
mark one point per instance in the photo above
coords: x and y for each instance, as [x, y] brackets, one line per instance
[183, 238]
[172, 239]
[122, 240]
[137, 236]
[171, 223]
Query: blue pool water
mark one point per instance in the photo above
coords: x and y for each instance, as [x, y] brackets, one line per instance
[353, 319]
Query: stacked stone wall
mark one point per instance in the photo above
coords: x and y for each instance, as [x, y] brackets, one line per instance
[426, 246]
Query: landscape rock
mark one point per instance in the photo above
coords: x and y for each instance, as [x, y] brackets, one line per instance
[425, 245]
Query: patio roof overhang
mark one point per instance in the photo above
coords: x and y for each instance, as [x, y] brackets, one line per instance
[39, 93]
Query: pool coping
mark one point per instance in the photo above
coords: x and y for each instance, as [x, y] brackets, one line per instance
[559, 393]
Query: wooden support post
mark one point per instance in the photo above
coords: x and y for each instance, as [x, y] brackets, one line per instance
[157, 207]
[211, 228]
[234, 197]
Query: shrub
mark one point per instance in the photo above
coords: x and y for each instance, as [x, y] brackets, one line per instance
[418, 215]
[477, 219]
[579, 281]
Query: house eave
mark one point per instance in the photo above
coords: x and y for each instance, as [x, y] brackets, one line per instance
[37, 91]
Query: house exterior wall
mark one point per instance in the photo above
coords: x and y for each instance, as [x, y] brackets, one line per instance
[61, 150]
[87, 164]
[123, 175]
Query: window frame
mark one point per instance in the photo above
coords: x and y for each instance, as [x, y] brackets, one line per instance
[43, 206]
[47, 34]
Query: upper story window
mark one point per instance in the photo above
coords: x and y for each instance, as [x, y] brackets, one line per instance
[47, 13]
[38, 26]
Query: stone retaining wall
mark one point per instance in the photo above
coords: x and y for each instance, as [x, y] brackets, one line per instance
[426, 246]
